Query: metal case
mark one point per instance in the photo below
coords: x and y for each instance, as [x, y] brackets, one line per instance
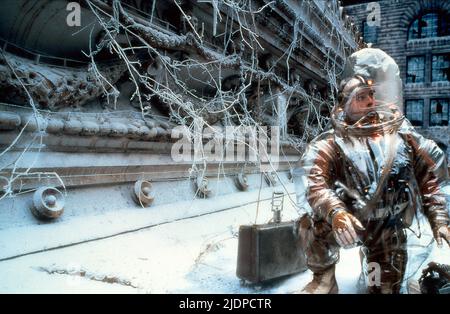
[268, 251]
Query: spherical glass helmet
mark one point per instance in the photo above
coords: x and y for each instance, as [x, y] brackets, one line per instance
[370, 93]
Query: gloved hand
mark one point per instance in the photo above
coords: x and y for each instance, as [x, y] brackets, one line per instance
[442, 232]
[344, 225]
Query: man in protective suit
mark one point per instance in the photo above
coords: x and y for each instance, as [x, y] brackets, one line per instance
[366, 176]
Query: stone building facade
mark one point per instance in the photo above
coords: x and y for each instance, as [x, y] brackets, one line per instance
[89, 108]
[416, 33]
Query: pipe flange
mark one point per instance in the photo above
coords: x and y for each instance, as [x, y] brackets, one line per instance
[48, 203]
[143, 193]
[242, 181]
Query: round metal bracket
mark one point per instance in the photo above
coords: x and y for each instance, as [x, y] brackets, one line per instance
[48, 203]
[143, 193]
[242, 181]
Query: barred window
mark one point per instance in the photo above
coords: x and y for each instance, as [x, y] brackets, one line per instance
[414, 111]
[415, 69]
[370, 33]
[432, 24]
[439, 112]
[441, 67]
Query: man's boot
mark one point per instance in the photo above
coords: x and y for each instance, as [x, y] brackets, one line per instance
[323, 282]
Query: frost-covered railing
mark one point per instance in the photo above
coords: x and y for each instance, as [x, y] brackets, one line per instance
[151, 18]
[40, 58]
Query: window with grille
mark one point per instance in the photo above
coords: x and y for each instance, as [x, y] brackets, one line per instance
[432, 24]
[370, 33]
[414, 111]
[415, 69]
[439, 112]
[440, 67]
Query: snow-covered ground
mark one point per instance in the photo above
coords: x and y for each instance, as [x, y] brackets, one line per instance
[195, 255]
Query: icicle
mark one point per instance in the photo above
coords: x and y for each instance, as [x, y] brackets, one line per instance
[214, 4]
[153, 11]
[216, 13]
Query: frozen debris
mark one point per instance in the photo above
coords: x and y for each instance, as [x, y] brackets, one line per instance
[81, 272]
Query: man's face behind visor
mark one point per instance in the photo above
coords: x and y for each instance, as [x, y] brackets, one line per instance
[365, 99]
